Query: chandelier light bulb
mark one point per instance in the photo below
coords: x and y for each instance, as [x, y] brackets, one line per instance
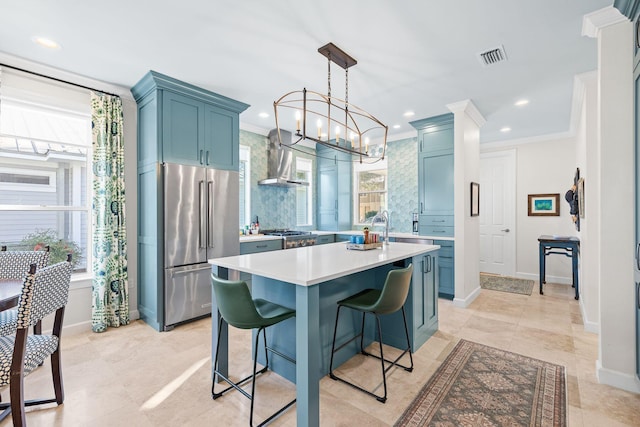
[319, 123]
[298, 116]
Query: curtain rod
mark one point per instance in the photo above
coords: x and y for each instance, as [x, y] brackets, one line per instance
[58, 80]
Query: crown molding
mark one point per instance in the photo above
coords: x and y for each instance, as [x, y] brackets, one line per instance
[254, 129]
[628, 8]
[579, 82]
[487, 146]
[467, 106]
[595, 21]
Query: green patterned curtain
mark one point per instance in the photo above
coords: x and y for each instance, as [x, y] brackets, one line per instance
[110, 302]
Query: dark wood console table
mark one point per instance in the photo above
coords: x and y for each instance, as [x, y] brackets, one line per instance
[568, 246]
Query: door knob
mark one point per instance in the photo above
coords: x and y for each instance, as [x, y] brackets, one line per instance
[506, 230]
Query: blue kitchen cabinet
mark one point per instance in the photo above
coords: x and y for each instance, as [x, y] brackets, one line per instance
[325, 238]
[194, 126]
[446, 288]
[334, 179]
[435, 175]
[425, 297]
[343, 237]
[260, 246]
[177, 123]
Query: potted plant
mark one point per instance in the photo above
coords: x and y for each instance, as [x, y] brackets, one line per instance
[58, 248]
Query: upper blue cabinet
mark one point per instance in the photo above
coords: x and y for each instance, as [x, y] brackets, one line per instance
[181, 123]
[435, 175]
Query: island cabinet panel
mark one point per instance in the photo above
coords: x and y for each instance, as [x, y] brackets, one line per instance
[445, 269]
[421, 309]
[177, 123]
[334, 179]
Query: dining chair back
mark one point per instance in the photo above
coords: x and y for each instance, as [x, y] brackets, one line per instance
[13, 264]
[45, 291]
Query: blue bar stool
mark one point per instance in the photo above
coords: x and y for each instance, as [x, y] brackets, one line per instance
[374, 301]
[239, 310]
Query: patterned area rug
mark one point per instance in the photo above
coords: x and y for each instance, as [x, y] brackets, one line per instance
[483, 386]
[506, 284]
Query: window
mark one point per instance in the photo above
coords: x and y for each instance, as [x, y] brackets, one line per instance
[370, 190]
[45, 156]
[304, 194]
[245, 185]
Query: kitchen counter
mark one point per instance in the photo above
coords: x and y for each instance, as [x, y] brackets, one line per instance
[311, 265]
[392, 234]
[312, 279]
[258, 237]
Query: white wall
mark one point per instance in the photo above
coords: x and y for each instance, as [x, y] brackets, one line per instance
[542, 167]
[466, 169]
[587, 159]
[616, 362]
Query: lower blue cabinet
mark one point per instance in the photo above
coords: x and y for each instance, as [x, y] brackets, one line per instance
[446, 269]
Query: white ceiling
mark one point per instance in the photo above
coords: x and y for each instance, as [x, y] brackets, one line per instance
[415, 55]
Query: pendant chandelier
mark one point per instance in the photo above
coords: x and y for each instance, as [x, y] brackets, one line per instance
[349, 129]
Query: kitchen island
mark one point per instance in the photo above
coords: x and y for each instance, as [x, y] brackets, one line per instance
[311, 280]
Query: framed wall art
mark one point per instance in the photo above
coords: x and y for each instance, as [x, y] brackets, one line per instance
[544, 204]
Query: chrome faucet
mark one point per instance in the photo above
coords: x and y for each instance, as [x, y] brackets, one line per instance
[384, 216]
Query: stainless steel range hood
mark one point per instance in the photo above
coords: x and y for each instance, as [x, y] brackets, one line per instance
[280, 162]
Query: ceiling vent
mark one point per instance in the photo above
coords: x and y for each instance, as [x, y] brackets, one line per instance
[492, 56]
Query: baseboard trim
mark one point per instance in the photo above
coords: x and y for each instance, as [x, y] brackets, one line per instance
[464, 303]
[617, 379]
[550, 279]
[593, 327]
[85, 326]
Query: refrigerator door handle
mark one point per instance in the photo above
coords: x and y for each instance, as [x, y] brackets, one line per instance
[178, 272]
[203, 216]
[210, 207]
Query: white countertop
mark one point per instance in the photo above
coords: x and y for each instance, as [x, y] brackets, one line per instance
[311, 265]
[378, 230]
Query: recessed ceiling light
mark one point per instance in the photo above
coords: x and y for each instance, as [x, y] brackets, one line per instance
[505, 129]
[263, 115]
[521, 102]
[45, 42]
[409, 114]
[396, 126]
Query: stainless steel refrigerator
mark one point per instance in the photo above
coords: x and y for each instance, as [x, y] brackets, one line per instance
[201, 222]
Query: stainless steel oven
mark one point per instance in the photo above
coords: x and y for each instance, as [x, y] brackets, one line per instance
[292, 238]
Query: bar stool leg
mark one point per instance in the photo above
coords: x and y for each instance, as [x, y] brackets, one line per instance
[382, 399]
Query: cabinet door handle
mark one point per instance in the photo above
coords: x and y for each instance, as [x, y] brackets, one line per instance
[261, 246]
[637, 37]
[506, 230]
[421, 207]
[201, 157]
[638, 255]
[207, 157]
[638, 294]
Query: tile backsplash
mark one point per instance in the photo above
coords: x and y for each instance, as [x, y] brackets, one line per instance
[276, 206]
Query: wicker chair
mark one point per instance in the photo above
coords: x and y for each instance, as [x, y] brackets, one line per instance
[45, 291]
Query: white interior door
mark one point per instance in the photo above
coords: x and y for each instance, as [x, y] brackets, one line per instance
[498, 213]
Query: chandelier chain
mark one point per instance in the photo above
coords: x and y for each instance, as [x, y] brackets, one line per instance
[329, 76]
[346, 86]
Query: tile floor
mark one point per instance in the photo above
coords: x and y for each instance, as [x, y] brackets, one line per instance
[135, 376]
